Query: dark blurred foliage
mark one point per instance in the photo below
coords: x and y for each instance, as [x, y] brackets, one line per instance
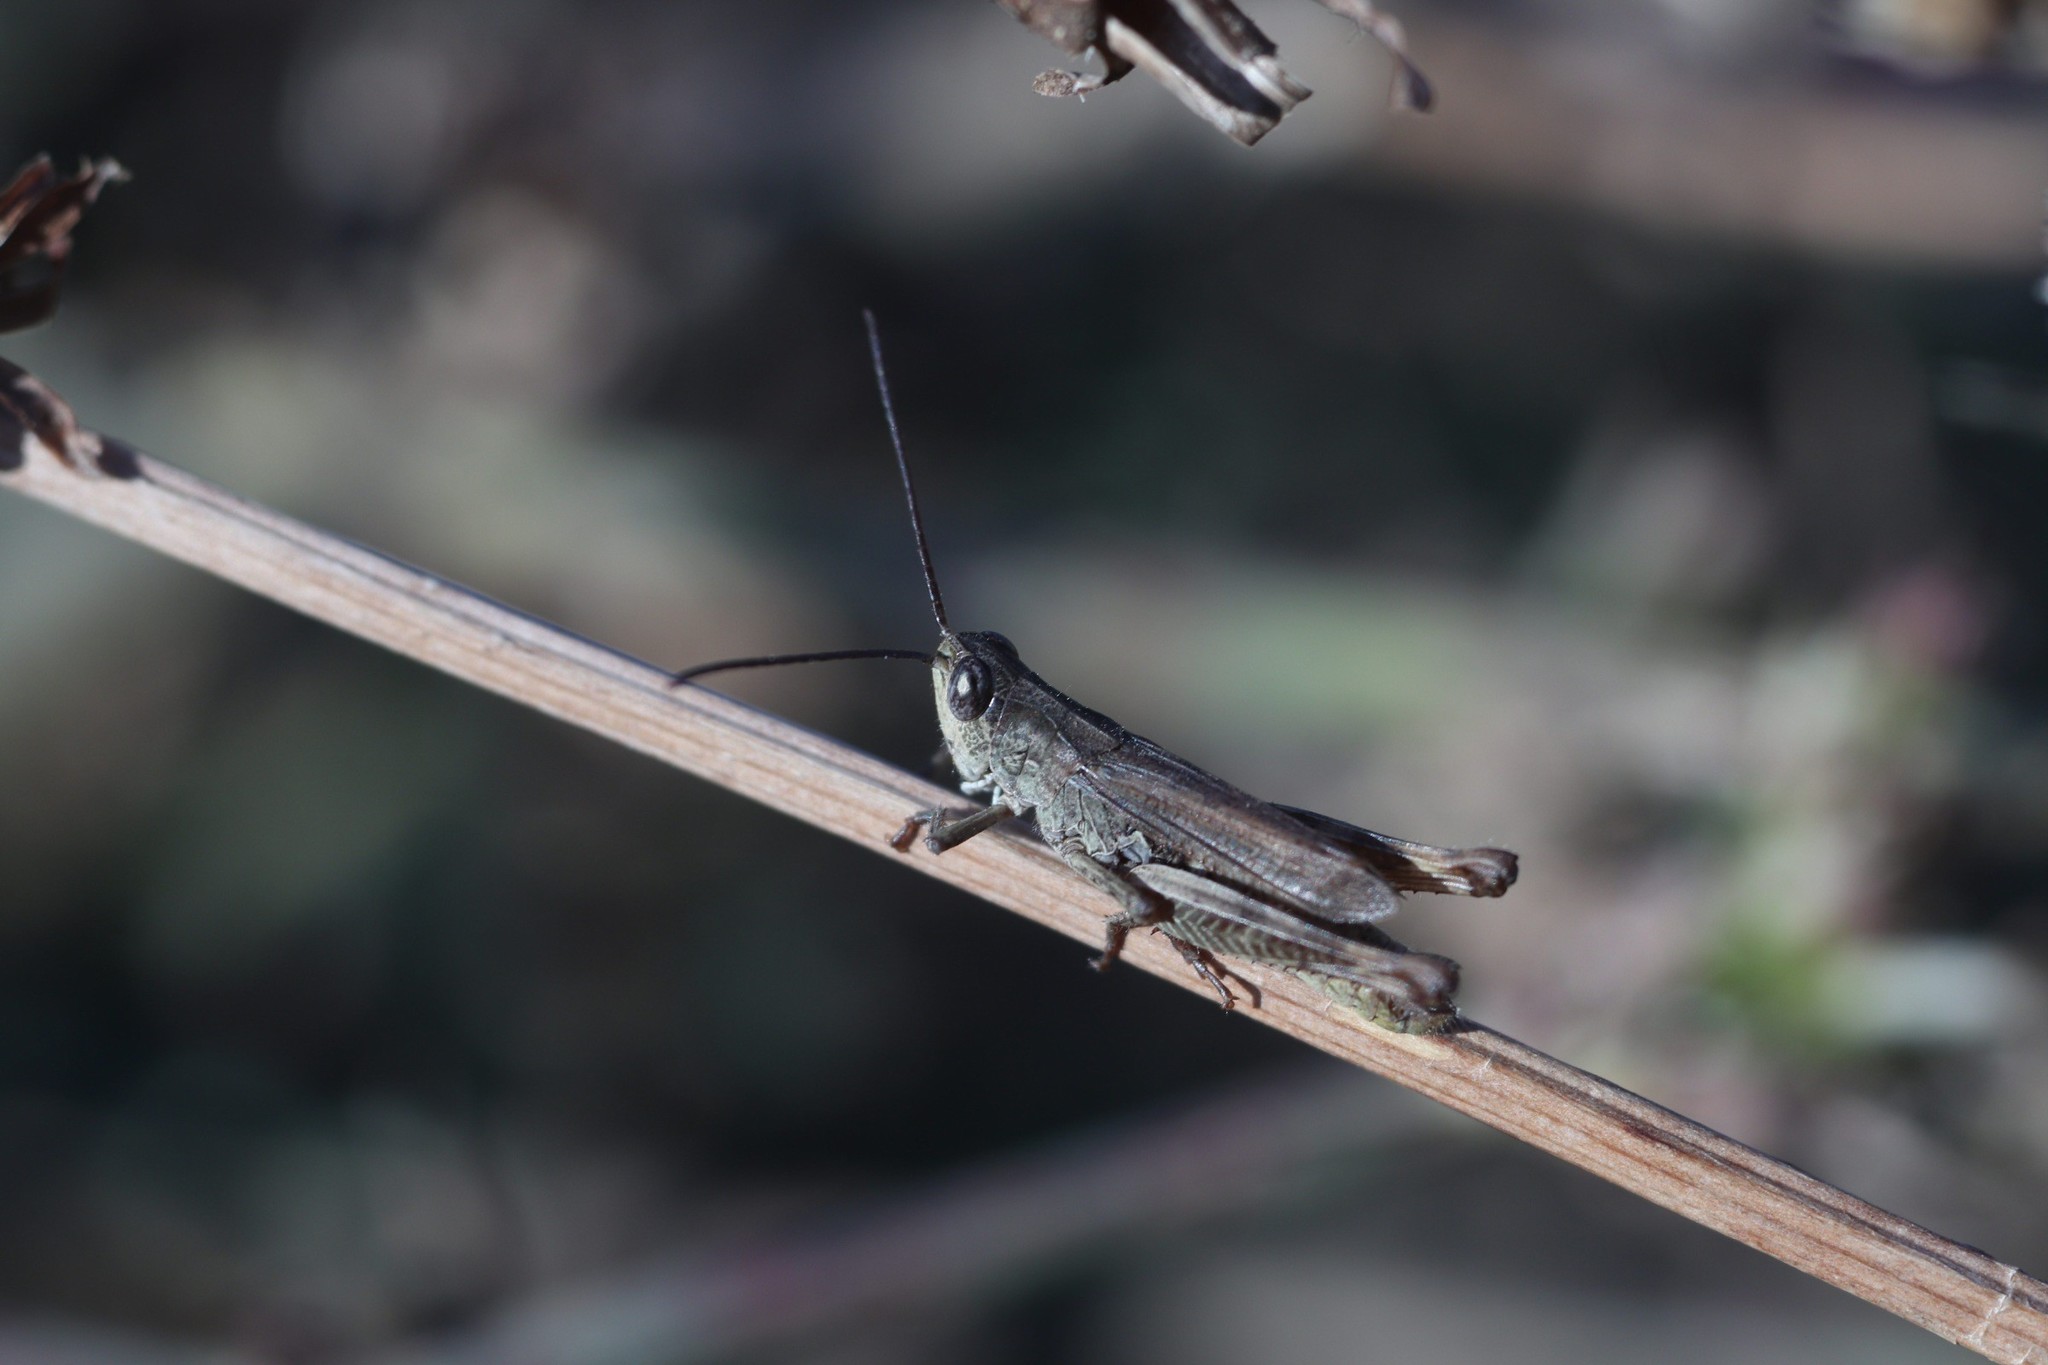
[1638, 463]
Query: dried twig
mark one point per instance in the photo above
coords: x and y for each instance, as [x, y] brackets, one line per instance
[1956, 1292]
[1213, 58]
[38, 210]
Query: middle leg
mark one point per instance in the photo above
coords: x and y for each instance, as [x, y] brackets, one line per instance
[1142, 906]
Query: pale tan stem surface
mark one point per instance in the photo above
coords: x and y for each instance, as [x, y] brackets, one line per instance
[1956, 1292]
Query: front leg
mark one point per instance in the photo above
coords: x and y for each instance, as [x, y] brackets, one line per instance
[1141, 905]
[947, 829]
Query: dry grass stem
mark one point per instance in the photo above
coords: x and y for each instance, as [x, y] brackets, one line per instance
[1952, 1290]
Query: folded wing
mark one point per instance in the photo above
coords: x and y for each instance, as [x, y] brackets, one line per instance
[1218, 829]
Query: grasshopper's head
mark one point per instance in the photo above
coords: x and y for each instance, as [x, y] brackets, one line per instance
[972, 672]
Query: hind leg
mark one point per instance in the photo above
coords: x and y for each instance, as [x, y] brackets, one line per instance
[1205, 967]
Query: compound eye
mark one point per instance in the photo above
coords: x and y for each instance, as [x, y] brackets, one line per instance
[970, 689]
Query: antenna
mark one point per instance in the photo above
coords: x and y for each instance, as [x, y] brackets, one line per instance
[771, 660]
[924, 555]
[924, 549]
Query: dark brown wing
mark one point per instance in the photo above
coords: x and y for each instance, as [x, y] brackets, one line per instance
[1410, 866]
[1195, 818]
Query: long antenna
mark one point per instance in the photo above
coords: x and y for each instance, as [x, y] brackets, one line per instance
[771, 660]
[924, 554]
[924, 549]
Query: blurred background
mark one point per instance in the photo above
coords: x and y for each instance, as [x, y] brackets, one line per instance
[1640, 463]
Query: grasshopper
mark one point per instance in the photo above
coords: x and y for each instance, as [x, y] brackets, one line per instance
[1218, 871]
